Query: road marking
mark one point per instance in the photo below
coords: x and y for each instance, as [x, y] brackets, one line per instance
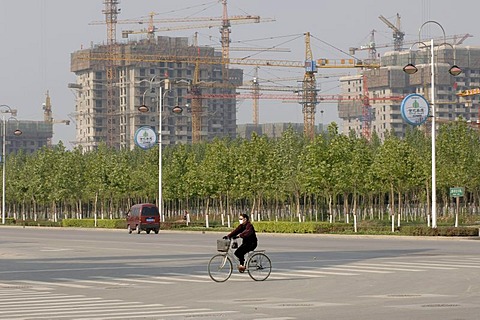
[437, 263]
[60, 284]
[127, 279]
[420, 265]
[316, 271]
[92, 281]
[349, 268]
[290, 274]
[27, 304]
[204, 277]
[385, 267]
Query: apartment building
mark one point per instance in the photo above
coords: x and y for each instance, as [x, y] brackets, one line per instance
[138, 82]
[388, 84]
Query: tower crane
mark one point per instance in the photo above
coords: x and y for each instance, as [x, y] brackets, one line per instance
[366, 110]
[398, 35]
[309, 64]
[48, 115]
[111, 11]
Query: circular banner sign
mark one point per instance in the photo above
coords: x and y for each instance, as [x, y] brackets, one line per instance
[415, 109]
[145, 137]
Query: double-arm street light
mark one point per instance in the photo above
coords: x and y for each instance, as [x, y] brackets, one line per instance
[4, 110]
[162, 91]
[454, 71]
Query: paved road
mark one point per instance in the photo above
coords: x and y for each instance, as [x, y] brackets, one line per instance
[49, 273]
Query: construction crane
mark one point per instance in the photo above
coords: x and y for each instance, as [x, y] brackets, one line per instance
[48, 115]
[366, 110]
[309, 85]
[111, 11]
[398, 35]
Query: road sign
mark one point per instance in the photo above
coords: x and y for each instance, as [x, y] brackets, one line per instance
[456, 192]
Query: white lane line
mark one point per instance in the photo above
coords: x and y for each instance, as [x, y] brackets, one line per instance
[43, 298]
[463, 262]
[60, 284]
[420, 265]
[206, 278]
[317, 271]
[82, 308]
[72, 304]
[115, 313]
[189, 313]
[433, 263]
[180, 279]
[349, 268]
[92, 281]
[385, 267]
[290, 274]
[133, 280]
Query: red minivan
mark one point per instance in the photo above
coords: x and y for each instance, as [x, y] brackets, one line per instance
[143, 216]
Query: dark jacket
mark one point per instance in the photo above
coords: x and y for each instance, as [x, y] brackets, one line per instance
[246, 231]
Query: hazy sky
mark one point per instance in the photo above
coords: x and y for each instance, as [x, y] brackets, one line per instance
[39, 35]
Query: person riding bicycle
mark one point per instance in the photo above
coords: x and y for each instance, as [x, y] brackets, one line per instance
[246, 231]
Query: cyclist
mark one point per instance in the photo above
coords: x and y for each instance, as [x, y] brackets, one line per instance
[246, 231]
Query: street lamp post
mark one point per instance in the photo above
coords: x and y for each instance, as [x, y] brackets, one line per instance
[4, 110]
[144, 108]
[454, 71]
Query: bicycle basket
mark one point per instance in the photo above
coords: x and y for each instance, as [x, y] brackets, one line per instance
[223, 245]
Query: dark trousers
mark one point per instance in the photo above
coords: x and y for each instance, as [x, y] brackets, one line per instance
[243, 249]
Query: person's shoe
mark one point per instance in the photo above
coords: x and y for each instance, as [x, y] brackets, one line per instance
[241, 268]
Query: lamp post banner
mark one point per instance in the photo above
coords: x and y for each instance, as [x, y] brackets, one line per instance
[145, 137]
[415, 109]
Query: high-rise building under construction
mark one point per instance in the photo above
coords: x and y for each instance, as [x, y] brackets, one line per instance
[138, 82]
[387, 85]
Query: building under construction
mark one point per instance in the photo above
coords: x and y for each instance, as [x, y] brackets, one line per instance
[386, 86]
[138, 82]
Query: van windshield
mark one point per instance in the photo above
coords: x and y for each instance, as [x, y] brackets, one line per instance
[150, 211]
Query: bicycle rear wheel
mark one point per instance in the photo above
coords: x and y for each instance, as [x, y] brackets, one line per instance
[220, 268]
[259, 266]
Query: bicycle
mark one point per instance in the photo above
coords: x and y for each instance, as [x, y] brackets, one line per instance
[220, 266]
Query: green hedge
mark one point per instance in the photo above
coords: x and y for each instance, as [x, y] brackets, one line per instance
[363, 227]
[90, 223]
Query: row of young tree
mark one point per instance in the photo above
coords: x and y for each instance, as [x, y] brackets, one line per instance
[331, 178]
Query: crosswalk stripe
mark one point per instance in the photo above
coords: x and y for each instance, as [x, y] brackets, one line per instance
[80, 308]
[292, 274]
[175, 279]
[420, 265]
[206, 278]
[134, 280]
[92, 281]
[328, 272]
[189, 313]
[75, 303]
[450, 265]
[463, 262]
[349, 268]
[111, 313]
[60, 284]
[45, 298]
[385, 267]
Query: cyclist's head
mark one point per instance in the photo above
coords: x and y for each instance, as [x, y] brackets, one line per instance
[244, 216]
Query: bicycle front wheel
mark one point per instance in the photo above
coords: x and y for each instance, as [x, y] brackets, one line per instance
[259, 266]
[220, 268]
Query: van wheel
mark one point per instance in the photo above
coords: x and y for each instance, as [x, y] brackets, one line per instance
[147, 231]
[138, 229]
[156, 231]
[129, 228]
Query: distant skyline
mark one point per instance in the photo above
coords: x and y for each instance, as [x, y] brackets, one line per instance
[39, 36]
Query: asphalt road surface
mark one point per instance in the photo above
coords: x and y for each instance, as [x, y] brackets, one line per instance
[53, 273]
